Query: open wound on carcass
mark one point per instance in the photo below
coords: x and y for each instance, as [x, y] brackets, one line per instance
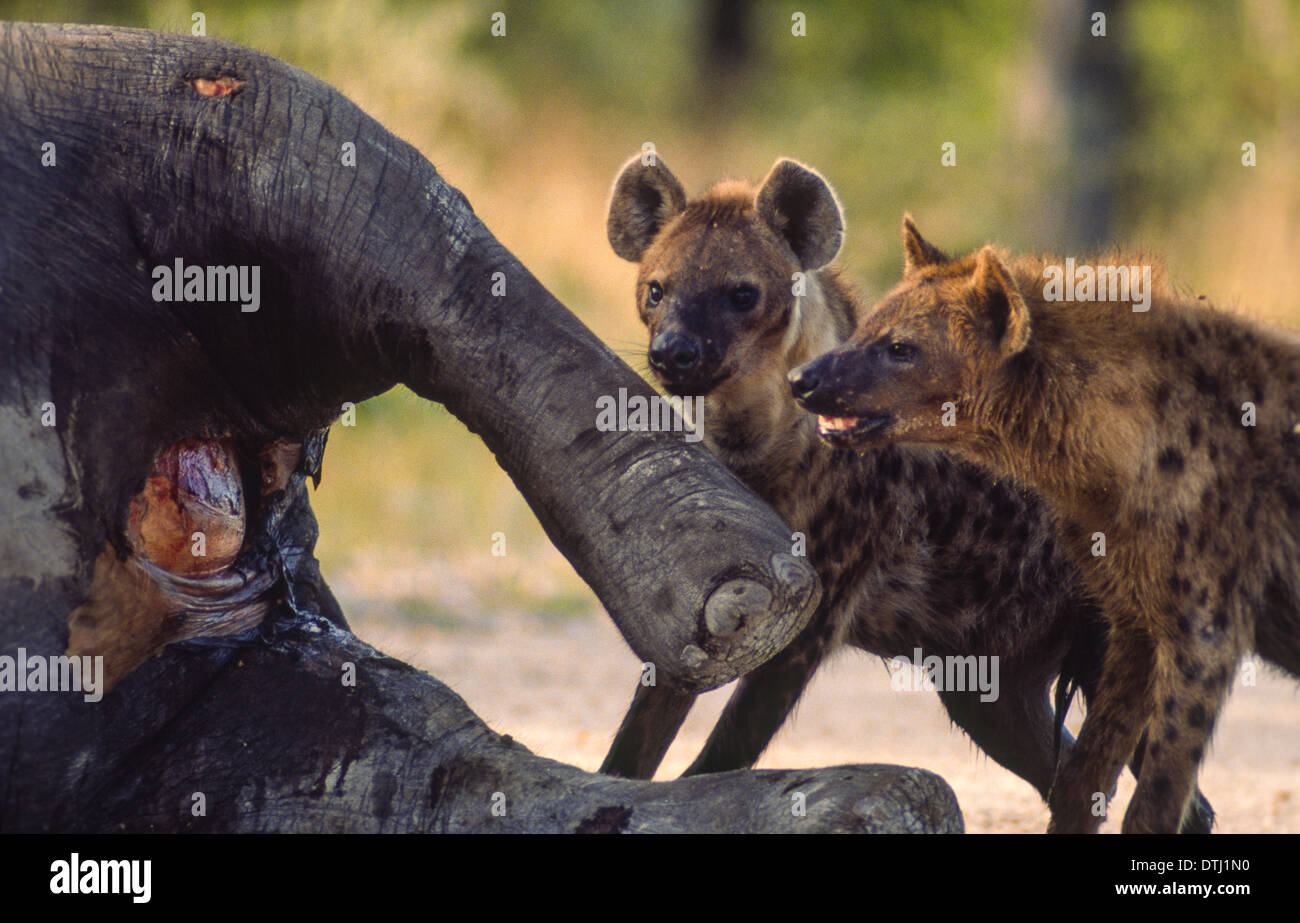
[219, 86]
[185, 529]
[189, 519]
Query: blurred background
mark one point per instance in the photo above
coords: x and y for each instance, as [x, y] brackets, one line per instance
[1063, 140]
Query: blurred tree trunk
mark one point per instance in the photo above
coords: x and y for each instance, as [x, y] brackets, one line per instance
[727, 41]
[1095, 79]
[726, 59]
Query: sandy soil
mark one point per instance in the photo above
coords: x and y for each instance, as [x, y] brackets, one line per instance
[560, 686]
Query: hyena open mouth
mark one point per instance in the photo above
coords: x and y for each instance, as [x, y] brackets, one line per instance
[846, 430]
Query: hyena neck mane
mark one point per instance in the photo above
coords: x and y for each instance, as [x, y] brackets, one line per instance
[1104, 397]
[751, 421]
[1070, 412]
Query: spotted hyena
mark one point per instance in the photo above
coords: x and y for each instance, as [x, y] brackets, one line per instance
[1166, 433]
[916, 549]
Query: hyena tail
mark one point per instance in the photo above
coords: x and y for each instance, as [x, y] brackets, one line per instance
[1081, 667]
[1066, 687]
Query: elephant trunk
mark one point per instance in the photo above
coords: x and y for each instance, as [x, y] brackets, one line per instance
[355, 266]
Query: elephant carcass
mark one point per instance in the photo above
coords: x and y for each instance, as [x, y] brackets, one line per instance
[127, 154]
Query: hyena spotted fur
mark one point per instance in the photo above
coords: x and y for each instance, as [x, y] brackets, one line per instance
[915, 549]
[1170, 430]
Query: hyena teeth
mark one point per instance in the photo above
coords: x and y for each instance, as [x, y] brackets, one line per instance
[836, 424]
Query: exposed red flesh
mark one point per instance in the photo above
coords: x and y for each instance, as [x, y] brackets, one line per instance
[194, 487]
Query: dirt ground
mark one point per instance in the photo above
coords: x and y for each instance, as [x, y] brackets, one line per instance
[559, 683]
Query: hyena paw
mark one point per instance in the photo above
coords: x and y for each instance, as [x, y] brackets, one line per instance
[1153, 815]
[1076, 807]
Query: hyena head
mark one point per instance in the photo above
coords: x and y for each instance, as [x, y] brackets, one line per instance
[728, 286]
[919, 362]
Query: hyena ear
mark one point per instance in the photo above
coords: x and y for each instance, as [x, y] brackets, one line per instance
[918, 253]
[801, 207]
[997, 298]
[646, 197]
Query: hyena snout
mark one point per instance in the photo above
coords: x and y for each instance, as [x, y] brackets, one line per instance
[816, 385]
[673, 352]
[831, 387]
[804, 381]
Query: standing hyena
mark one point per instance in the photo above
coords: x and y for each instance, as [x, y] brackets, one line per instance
[1166, 433]
[915, 550]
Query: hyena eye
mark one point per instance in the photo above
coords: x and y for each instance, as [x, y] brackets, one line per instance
[902, 352]
[743, 297]
[654, 293]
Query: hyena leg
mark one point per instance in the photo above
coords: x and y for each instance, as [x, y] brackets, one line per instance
[1016, 729]
[1085, 665]
[1111, 729]
[1199, 817]
[761, 703]
[648, 729]
[1190, 689]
